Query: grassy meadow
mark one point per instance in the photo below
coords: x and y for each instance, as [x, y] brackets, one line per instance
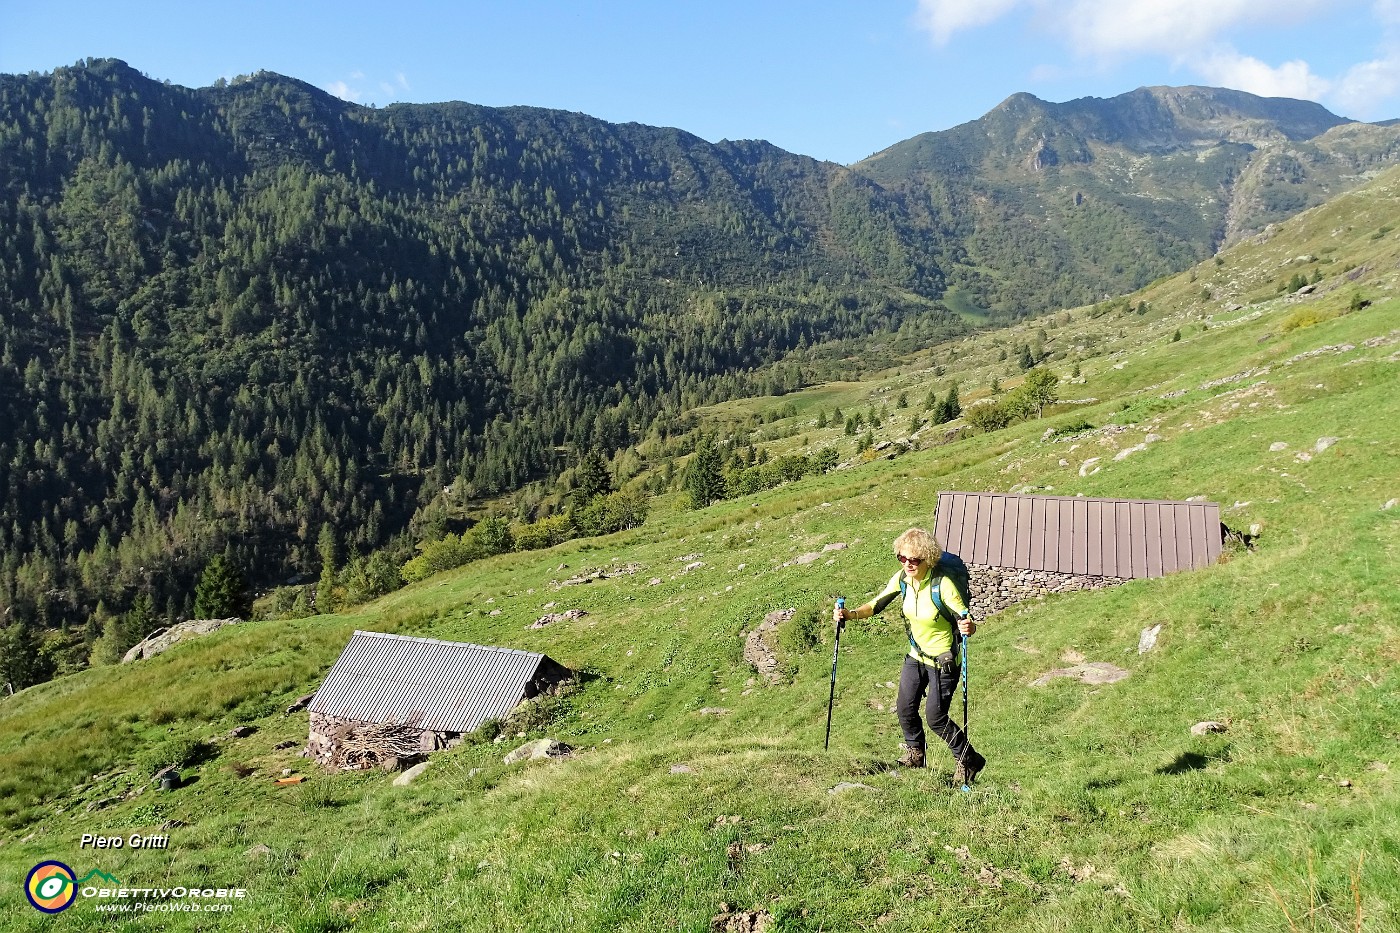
[1099, 809]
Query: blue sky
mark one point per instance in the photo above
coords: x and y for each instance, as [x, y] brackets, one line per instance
[837, 81]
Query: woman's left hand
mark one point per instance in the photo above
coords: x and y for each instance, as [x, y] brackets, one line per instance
[967, 626]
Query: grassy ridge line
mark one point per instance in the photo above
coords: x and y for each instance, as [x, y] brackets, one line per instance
[1104, 778]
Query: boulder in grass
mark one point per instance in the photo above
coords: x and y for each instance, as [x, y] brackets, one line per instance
[537, 750]
[1090, 672]
[1207, 727]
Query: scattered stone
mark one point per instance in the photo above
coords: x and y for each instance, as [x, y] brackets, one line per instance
[283, 746]
[807, 558]
[241, 732]
[1390, 504]
[1128, 452]
[258, 851]
[411, 775]
[834, 546]
[1303, 456]
[1208, 727]
[740, 921]
[682, 769]
[1084, 467]
[1090, 672]
[537, 750]
[589, 576]
[102, 804]
[760, 646]
[693, 565]
[1276, 446]
[1079, 874]
[1324, 442]
[849, 785]
[713, 711]
[552, 617]
[655, 581]
[1148, 639]
[300, 703]
[1344, 783]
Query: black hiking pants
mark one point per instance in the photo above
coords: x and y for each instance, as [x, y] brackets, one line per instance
[938, 680]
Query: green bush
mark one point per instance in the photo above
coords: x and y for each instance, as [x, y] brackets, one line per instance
[182, 753]
[802, 632]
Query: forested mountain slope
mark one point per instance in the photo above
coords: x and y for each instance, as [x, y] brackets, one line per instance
[700, 793]
[258, 321]
[235, 315]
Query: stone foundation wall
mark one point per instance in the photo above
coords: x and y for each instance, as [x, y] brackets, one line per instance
[995, 588]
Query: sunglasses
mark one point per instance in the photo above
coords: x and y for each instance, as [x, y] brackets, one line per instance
[908, 560]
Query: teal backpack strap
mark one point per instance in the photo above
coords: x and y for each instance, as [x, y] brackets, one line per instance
[908, 630]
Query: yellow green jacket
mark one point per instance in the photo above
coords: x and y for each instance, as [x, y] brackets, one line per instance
[931, 631]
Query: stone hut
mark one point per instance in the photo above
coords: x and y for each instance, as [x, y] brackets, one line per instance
[1018, 547]
[392, 697]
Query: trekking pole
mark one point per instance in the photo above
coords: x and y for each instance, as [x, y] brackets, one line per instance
[964, 680]
[835, 654]
[964, 639]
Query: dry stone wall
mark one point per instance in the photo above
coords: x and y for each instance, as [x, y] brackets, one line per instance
[995, 588]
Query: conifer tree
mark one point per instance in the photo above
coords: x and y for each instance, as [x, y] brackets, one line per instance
[219, 594]
[704, 476]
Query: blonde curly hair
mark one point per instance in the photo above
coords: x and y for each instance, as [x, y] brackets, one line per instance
[916, 542]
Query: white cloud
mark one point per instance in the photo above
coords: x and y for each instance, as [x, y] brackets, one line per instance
[344, 91]
[1195, 35]
[1367, 88]
[1115, 27]
[396, 87]
[942, 18]
[1226, 67]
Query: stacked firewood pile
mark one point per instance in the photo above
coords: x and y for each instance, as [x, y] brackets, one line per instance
[371, 745]
[345, 745]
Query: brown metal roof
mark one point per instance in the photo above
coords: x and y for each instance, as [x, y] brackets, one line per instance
[443, 686]
[1127, 538]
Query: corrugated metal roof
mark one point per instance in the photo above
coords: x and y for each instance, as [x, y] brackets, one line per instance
[442, 686]
[1127, 538]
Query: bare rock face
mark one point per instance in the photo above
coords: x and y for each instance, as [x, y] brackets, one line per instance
[163, 639]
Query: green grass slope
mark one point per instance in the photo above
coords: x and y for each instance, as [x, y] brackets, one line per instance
[1099, 809]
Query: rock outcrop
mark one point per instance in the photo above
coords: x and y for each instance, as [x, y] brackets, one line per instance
[163, 639]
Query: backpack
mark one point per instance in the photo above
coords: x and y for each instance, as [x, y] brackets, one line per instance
[952, 567]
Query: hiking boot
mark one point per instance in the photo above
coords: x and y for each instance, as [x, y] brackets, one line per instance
[912, 758]
[968, 769]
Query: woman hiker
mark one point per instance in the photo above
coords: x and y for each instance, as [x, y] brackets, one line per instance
[932, 663]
